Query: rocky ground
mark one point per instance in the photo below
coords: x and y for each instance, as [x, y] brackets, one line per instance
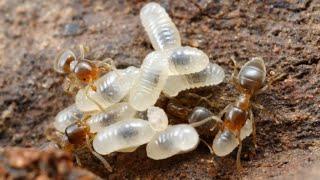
[285, 33]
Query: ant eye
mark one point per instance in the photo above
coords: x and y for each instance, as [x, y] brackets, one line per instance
[63, 60]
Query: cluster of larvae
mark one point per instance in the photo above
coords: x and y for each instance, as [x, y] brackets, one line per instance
[114, 108]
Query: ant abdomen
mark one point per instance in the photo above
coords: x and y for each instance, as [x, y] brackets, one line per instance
[63, 61]
[66, 117]
[149, 84]
[162, 32]
[112, 114]
[213, 74]
[186, 60]
[174, 140]
[226, 141]
[110, 89]
[77, 133]
[252, 74]
[123, 135]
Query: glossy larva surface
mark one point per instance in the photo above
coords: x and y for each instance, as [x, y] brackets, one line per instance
[213, 74]
[61, 60]
[66, 117]
[150, 82]
[174, 140]
[111, 88]
[112, 114]
[162, 33]
[225, 142]
[123, 135]
[158, 118]
[186, 60]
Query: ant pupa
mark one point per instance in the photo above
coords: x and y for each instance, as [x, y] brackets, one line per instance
[213, 74]
[110, 89]
[66, 117]
[249, 81]
[112, 114]
[162, 32]
[80, 71]
[123, 135]
[150, 82]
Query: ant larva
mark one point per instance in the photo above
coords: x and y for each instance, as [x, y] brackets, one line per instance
[236, 121]
[80, 128]
[213, 74]
[80, 71]
[110, 89]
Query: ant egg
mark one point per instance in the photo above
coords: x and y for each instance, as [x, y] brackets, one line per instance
[66, 117]
[226, 141]
[110, 89]
[162, 32]
[63, 60]
[174, 140]
[213, 74]
[158, 118]
[123, 135]
[186, 60]
[149, 84]
[112, 114]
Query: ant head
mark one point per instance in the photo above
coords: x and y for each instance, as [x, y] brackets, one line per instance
[76, 133]
[86, 71]
[63, 61]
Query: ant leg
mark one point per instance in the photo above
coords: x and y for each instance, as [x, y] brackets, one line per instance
[254, 135]
[208, 146]
[92, 100]
[103, 161]
[239, 167]
[264, 88]
[77, 160]
[83, 50]
[200, 123]
[205, 99]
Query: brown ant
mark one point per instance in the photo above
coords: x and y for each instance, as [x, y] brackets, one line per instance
[249, 81]
[76, 137]
[80, 71]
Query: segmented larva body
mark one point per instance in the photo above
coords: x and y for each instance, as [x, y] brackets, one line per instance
[186, 60]
[162, 32]
[211, 75]
[226, 141]
[174, 140]
[123, 135]
[158, 118]
[150, 82]
[66, 117]
[111, 88]
[112, 114]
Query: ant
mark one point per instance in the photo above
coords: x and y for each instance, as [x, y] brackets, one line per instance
[249, 82]
[80, 71]
[76, 136]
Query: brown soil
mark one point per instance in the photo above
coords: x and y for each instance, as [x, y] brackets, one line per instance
[285, 33]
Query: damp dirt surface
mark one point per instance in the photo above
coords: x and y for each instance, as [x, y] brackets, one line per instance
[285, 33]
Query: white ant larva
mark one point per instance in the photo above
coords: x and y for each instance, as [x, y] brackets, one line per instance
[150, 82]
[158, 118]
[123, 135]
[174, 140]
[211, 75]
[112, 114]
[110, 89]
[66, 117]
[162, 32]
[186, 60]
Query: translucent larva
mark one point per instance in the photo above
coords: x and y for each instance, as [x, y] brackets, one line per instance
[174, 140]
[110, 89]
[211, 75]
[226, 141]
[150, 82]
[186, 60]
[162, 32]
[66, 117]
[112, 114]
[123, 135]
[158, 118]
